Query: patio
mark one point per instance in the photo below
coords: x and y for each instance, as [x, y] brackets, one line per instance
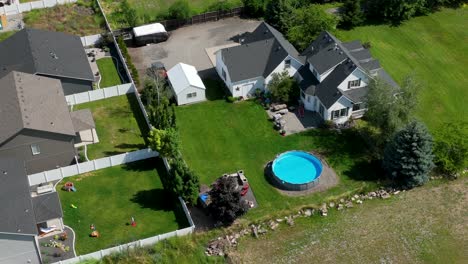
[54, 249]
[295, 123]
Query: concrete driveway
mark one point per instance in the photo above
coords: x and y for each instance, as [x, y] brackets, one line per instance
[190, 45]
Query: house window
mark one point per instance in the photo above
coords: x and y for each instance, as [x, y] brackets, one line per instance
[303, 95]
[308, 99]
[287, 63]
[237, 88]
[355, 83]
[35, 149]
[191, 95]
[356, 107]
[224, 74]
[339, 113]
[321, 110]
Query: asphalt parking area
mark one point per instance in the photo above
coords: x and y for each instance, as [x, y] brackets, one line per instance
[192, 44]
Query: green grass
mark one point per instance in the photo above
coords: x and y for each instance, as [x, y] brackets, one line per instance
[5, 35]
[109, 75]
[120, 126]
[219, 137]
[409, 228]
[108, 198]
[434, 49]
[155, 10]
[78, 19]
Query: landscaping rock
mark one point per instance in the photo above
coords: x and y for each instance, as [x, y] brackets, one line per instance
[279, 220]
[254, 231]
[308, 212]
[385, 196]
[372, 194]
[397, 192]
[349, 204]
[342, 200]
[324, 210]
[340, 206]
[356, 196]
[290, 221]
[359, 201]
[332, 205]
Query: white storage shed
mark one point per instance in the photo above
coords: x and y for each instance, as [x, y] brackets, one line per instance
[186, 83]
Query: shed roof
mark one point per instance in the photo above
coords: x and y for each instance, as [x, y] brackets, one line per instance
[16, 209]
[45, 52]
[182, 76]
[149, 29]
[82, 120]
[32, 102]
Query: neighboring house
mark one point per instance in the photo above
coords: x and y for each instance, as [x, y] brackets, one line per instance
[333, 76]
[186, 84]
[23, 214]
[334, 81]
[251, 65]
[52, 54]
[36, 124]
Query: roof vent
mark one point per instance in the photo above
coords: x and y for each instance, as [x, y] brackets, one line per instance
[53, 55]
[5, 172]
[52, 123]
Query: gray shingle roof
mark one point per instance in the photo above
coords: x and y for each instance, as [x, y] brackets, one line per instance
[32, 102]
[353, 45]
[16, 209]
[47, 207]
[82, 120]
[45, 52]
[327, 91]
[356, 95]
[371, 65]
[261, 52]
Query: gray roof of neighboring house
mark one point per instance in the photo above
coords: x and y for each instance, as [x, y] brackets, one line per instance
[261, 52]
[32, 102]
[46, 207]
[326, 52]
[45, 52]
[82, 120]
[16, 209]
[309, 82]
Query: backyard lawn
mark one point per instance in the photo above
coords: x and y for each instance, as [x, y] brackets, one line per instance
[78, 19]
[108, 198]
[409, 228]
[109, 75]
[433, 48]
[120, 126]
[155, 10]
[219, 137]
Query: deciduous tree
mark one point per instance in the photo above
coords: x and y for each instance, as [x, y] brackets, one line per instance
[351, 14]
[451, 148]
[281, 87]
[166, 142]
[278, 14]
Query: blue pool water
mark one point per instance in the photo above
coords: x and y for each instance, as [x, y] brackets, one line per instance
[297, 167]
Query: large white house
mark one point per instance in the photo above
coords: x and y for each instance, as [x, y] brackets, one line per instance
[251, 65]
[186, 84]
[333, 76]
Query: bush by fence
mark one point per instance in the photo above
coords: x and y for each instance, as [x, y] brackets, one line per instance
[97, 164]
[19, 8]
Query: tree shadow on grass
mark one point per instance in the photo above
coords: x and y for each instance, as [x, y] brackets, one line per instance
[130, 146]
[155, 199]
[138, 114]
[142, 165]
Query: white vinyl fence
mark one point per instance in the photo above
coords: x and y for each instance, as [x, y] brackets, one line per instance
[91, 40]
[97, 164]
[18, 7]
[122, 248]
[100, 94]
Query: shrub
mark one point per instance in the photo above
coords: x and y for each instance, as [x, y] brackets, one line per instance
[179, 10]
[451, 148]
[283, 88]
[254, 8]
[231, 99]
[129, 13]
[408, 157]
[166, 142]
[351, 14]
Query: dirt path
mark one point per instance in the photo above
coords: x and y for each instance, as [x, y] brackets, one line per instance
[426, 225]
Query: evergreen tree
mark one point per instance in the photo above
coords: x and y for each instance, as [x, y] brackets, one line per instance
[166, 142]
[351, 14]
[254, 8]
[408, 157]
[189, 181]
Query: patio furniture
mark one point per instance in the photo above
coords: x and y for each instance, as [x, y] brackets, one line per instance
[278, 107]
[283, 111]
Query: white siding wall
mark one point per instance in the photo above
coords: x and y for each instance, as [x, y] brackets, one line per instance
[183, 99]
[18, 249]
[343, 102]
[311, 68]
[295, 65]
[219, 66]
[311, 103]
[243, 88]
[355, 75]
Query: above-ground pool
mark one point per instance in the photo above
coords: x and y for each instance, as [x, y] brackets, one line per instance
[296, 170]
